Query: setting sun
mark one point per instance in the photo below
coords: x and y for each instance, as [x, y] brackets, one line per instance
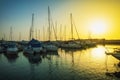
[98, 27]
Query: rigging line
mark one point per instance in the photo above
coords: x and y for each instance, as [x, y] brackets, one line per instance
[76, 29]
[51, 25]
[54, 29]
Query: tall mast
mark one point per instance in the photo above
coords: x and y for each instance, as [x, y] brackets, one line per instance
[71, 26]
[43, 34]
[10, 33]
[49, 25]
[30, 34]
[65, 33]
[60, 31]
[89, 35]
[56, 29]
[4, 38]
[36, 33]
[75, 29]
[19, 36]
[32, 27]
[39, 35]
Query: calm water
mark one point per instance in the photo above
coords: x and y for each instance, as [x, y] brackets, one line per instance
[89, 64]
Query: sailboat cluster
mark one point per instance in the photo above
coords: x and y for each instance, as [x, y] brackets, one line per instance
[35, 46]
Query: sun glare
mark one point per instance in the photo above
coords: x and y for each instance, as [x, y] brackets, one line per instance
[98, 27]
[98, 53]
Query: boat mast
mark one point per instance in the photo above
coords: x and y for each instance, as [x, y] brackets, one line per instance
[10, 33]
[19, 36]
[32, 28]
[60, 32]
[89, 35]
[39, 35]
[4, 38]
[71, 26]
[49, 25]
[65, 33]
[56, 29]
[43, 34]
[36, 33]
[75, 28]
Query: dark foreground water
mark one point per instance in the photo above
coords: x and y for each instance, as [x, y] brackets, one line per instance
[89, 64]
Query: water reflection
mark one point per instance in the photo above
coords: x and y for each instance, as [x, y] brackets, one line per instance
[98, 53]
[87, 64]
[11, 57]
[33, 58]
[112, 64]
[92, 61]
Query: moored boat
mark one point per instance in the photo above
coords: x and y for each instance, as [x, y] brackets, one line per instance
[11, 48]
[115, 52]
[49, 47]
[71, 45]
[36, 46]
[28, 50]
[116, 55]
[1, 49]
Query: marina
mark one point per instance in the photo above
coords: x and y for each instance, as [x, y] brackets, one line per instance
[59, 40]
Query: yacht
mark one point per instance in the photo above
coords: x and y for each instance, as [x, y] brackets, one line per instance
[11, 48]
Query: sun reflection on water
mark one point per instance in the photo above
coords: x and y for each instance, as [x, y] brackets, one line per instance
[98, 53]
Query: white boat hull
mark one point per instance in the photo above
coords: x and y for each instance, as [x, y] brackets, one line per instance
[71, 46]
[37, 49]
[51, 48]
[12, 50]
[28, 50]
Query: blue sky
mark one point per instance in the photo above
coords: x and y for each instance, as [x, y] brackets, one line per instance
[17, 13]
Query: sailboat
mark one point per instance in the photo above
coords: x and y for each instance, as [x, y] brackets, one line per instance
[33, 46]
[1, 48]
[71, 44]
[48, 46]
[116, 53]
[11, 46]
[28, 49]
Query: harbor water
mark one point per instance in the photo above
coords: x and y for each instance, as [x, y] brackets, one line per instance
[87, 64]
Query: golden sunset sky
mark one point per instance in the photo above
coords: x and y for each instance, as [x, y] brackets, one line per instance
[101, 18]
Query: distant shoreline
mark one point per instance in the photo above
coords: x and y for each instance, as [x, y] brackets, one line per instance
[105, 41]
[98, 41]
